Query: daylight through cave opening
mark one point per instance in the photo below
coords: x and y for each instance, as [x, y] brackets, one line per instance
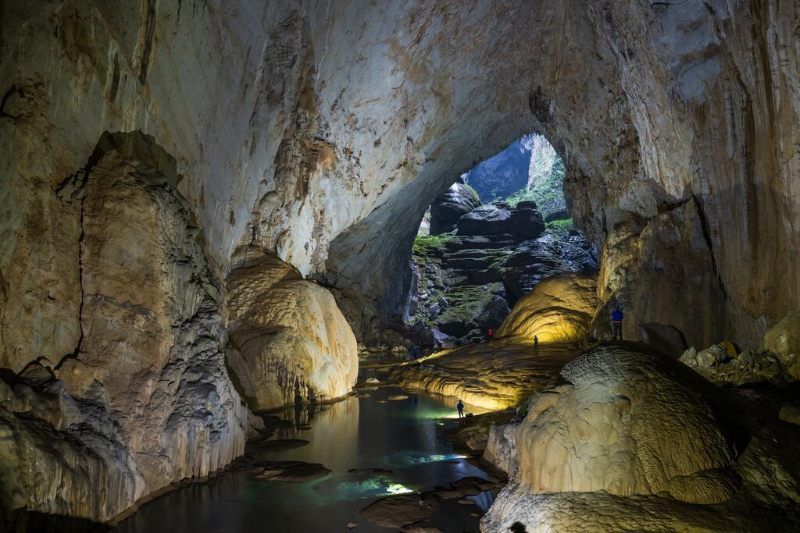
[488, 240]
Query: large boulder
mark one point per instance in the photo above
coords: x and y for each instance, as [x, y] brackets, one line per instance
[559, 309]
[290, 342]
[630, 433]
[784, 337]
[624, 425]
[521, 224]
[451, 205]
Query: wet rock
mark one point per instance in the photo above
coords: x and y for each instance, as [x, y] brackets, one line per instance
[501, 448]
[400, 510]
[275, 445]
[493, 375]
[451, 205]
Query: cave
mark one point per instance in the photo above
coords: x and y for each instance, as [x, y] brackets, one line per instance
[221, 221]
[488, 240]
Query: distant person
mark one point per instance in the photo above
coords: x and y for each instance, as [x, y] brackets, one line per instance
[491, 333]
[536, 344]
[414, 352]
[460, 408]
[616, 321]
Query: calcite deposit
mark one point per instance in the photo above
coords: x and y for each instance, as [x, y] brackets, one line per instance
[290, 343]
[143, 398]
[557, 310]
[492, 375]
[631, 441]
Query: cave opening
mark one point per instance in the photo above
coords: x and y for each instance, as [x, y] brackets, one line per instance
[497, 231]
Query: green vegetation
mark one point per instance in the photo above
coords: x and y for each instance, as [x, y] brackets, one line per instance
[519, 196]
[426, 245]
[562, 224]
[475, 194]
[466, 303]
[548, 193]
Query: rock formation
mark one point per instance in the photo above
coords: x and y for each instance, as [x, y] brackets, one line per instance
[466, 284]
[320, 132]
[491, 375]
[448, 207]
[290, 342]
[559, 309]
[143, 398]
[521, 224]
[778, 362]
[635, 438]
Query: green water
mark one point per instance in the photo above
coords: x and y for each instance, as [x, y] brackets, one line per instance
[361, 432]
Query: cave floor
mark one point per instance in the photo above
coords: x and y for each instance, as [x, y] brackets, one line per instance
[492, 375]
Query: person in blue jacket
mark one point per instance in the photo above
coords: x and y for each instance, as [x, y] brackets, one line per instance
[616, 321]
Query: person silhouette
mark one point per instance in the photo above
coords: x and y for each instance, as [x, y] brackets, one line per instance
[616, 322]
[460, 407]
[536, 344]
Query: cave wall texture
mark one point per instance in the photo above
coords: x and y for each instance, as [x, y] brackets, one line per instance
[320, 131]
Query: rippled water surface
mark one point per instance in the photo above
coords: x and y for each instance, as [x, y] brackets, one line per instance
[364, 432]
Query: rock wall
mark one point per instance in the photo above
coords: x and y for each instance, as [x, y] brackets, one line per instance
[321, 132]
[142, 399]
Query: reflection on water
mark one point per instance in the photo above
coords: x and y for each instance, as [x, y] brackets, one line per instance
[373, 446]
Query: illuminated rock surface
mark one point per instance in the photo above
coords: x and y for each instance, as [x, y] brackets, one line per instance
[558, 310]
[622, 425]
[290, 343]
[491, 375]
[630, 441]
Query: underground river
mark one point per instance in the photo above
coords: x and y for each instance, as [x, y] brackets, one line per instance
[374, 447]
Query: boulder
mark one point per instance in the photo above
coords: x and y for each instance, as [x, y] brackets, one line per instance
[784, 337]
[290, 342]
[750, 366]
[627, 432]
[451, 205]
[559, 309]
[626, 425]
[501, 448]
[498, 219]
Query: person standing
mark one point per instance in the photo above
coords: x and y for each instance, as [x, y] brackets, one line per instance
[491, 333]
[536, 345]
[460, 408]
[616, 322]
